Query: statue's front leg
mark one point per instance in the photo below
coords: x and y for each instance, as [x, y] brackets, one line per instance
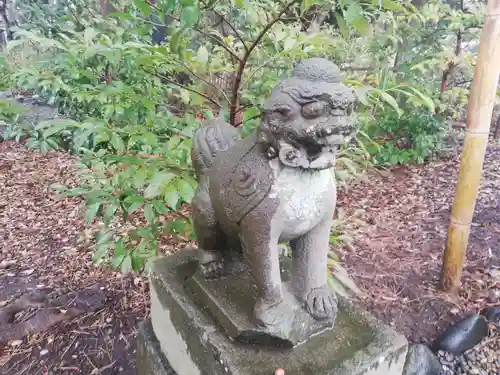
[310, 258]
[211, 239]
[259, 237]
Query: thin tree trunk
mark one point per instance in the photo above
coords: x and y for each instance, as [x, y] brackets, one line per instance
[317, 21]
[106, 8]
[451, 65]
[458, 51]
[4, 10]
[479, 113]
[497, 127]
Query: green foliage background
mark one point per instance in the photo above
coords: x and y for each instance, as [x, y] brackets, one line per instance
[130, 111]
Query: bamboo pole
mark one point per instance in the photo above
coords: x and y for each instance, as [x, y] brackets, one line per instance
[479, 113]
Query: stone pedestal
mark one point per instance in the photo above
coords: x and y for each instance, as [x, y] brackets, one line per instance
[184, 338]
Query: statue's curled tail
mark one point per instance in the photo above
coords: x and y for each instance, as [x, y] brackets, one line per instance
[213, 137]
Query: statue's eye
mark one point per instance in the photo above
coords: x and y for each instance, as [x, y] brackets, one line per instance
[277, 117]
[283, 111]
[313, 110]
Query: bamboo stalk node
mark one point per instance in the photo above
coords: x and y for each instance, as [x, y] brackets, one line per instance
[475, 132]
[457, 222]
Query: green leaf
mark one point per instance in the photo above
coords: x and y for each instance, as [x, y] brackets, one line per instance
[76, 191]
[118, 254]
[100, 253]
[186, 191]
[172, 199]
[137, 261]
[134, 207]
[117, 142]
[202, 54]
[126, 265]
[189, 16]
[143, 7]
[110, 211]
[150, 139]
[176, 226]
[239, 3]
[344, 29]
[134, 199]
[89, 34]
[159, 180]
[341, 175]
[428, 102]
[149, 214]
[388, 99]
[250, 113]
[289, 43]
[91, 212]
[306, 4]
[54, 126]
[362, 25]
[391, 5]
[104, 237]
[362, 95]
[341, 275]
[353, 12]
[140, 177]
[160, 207]
[185, 96]
[174, 41]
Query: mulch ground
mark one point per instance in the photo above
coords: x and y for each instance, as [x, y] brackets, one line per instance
[395, 259]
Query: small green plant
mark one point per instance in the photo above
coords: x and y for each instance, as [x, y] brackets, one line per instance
[338, 277]
[5, 75]
[10, 114]
[413, 137]
[10, 111]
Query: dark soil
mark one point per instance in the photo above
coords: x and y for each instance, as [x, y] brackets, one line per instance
[395, 259]
[44, 243]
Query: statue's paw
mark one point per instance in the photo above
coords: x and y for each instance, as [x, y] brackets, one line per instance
[273, 314]
[212, 270]
[321, 303]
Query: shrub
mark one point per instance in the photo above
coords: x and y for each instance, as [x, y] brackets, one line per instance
[413, 137]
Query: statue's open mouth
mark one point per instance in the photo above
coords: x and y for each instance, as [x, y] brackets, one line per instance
[311, 152]
[309, 157]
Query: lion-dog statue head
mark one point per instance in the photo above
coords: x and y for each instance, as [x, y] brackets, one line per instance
[308, 116]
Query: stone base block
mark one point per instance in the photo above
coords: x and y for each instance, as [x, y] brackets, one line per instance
[230, 301]
[192, 343]
[150, 359]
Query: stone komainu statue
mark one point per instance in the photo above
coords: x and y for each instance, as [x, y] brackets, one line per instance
[275, 185]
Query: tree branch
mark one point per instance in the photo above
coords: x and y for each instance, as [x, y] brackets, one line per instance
[204, 81]
[462, 82]
[219, 43]
[261, 66]
[248, 119]
[216, 40]
[166, 79]
[243, 62]
[238, 35]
